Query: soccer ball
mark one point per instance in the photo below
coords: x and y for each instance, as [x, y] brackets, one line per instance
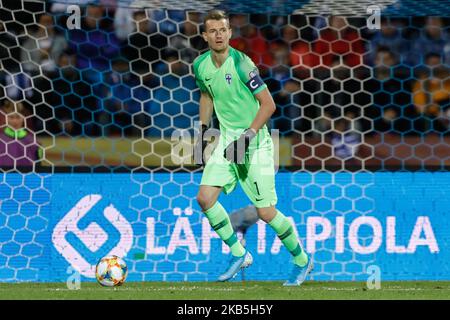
[111, 271]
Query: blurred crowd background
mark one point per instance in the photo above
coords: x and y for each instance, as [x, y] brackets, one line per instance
[127, 73]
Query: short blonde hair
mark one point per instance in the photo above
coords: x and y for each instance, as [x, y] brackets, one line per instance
[216, 15]
[10, 107]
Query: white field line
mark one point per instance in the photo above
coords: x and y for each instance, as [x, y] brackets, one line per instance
[149, 289]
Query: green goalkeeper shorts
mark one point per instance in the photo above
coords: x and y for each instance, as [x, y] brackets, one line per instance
[256, 176]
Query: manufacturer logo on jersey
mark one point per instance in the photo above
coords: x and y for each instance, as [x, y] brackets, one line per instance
[228, 78]
[252, 73]
[93, 236]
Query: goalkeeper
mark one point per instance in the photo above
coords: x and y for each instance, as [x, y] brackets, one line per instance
[230, 84]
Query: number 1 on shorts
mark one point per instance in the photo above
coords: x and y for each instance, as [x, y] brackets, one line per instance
[257, 189]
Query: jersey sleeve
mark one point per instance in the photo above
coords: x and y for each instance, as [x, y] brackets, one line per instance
[198, 80]
[249, 74]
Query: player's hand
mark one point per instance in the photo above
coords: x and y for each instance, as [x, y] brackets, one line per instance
[200, 146]
[235, 151]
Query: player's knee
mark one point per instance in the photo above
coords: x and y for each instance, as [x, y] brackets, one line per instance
[204, 201]
[264, 217]
[266, 214]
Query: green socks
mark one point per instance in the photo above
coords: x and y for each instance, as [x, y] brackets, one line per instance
[220, 222]
[285, 232]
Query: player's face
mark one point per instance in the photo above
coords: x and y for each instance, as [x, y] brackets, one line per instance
[217, 34]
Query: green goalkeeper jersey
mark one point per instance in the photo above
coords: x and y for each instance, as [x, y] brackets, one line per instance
[232, 87]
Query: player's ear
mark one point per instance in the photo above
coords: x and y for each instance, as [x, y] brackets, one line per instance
[204, 36]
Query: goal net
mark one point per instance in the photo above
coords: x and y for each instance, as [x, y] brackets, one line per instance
[99, 112]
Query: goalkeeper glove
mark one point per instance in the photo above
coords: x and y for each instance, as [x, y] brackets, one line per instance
[236, 150]
[200, 146]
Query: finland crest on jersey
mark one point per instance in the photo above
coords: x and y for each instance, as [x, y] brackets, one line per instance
[228, 78]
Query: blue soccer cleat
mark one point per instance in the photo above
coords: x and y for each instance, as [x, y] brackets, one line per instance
[298, 274]
[236, 264]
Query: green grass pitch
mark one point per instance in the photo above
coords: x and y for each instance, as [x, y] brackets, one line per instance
[234, 290]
